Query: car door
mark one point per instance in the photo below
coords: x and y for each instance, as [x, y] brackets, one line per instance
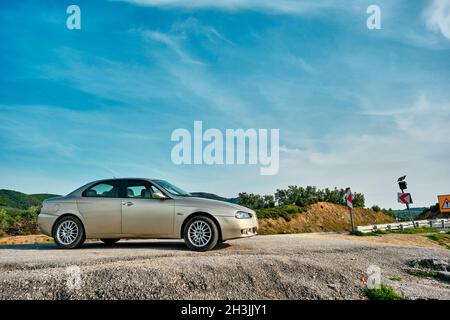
[142, 215]
[100, 205]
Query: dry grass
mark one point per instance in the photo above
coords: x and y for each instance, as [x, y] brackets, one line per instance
[30, 239]
[323, 216]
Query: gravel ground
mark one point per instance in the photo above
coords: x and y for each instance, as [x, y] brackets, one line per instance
[300, 266]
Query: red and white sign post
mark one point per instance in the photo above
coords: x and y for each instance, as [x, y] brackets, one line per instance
[349, 200]
[404, 197]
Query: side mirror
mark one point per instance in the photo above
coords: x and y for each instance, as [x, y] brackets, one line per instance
[159, 195]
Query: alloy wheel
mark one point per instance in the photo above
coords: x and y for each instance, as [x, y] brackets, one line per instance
[67, 232]
[199, 233]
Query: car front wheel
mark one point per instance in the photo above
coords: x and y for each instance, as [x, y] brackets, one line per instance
[201, 233]
[68, 233]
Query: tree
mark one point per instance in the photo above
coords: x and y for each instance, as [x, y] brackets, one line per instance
[302, 197]
[256, 201]
[376, 208]
[358, 200]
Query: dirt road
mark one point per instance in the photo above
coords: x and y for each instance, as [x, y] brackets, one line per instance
[300, 266]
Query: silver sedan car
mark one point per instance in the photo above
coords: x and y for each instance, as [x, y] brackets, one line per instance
[142, 208]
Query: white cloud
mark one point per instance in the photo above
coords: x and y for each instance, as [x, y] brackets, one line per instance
[414, 143]
[405, 28]
[173, 42]
[275, 6]
[102, 77]
[437, 17]
[423, 121]
[193, 26]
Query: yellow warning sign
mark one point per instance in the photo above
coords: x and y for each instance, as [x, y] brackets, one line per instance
[444, 203]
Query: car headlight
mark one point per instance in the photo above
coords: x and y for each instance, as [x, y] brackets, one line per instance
[243, 215]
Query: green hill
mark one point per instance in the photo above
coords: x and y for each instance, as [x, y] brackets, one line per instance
[18, 212]
[15, 199]
[403, 215]
[433, 212]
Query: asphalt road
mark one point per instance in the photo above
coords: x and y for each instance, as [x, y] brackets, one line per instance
[302, 266]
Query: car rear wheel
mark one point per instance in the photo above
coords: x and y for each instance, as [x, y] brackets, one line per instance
[68, 233]
[109, 242]
[201, 233]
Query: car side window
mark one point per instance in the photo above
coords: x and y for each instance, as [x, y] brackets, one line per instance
[107, 189]
[140, 189]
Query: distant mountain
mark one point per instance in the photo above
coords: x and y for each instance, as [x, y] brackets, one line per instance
[214, 197]
[15, 199]
[433, 212]
[404, 215]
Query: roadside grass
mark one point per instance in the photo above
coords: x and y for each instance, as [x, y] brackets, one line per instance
[406, 231]
[396, 279]
[368, 234]
[417, 230]
[438, 275]
[423, 273]
[383, 292]
[443, 239]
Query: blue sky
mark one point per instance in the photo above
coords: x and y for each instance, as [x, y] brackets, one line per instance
[355, 107]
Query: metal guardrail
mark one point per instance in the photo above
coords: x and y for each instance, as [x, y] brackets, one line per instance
[400, 226]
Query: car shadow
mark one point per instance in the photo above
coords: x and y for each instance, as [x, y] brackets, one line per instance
[135, 244]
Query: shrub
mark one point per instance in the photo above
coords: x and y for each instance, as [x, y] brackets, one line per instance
[383, 292]
[14, 221]
[294, 209]
[256, 201]
[302, 197]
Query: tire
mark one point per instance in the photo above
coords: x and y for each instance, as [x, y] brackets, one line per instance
[68, 233]
[109, 242]
[201, 233]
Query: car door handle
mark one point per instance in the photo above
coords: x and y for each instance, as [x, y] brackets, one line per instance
[127, 203]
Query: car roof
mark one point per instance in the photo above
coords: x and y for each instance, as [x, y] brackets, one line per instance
[89, 184]
[125, 178]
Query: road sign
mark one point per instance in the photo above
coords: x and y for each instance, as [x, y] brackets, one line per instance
[404, 198]
[444, 203]
[349, 198]
[349, 201]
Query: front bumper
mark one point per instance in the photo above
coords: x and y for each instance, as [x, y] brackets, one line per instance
[233, 228]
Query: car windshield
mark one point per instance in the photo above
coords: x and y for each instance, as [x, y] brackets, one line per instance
[172, 189]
